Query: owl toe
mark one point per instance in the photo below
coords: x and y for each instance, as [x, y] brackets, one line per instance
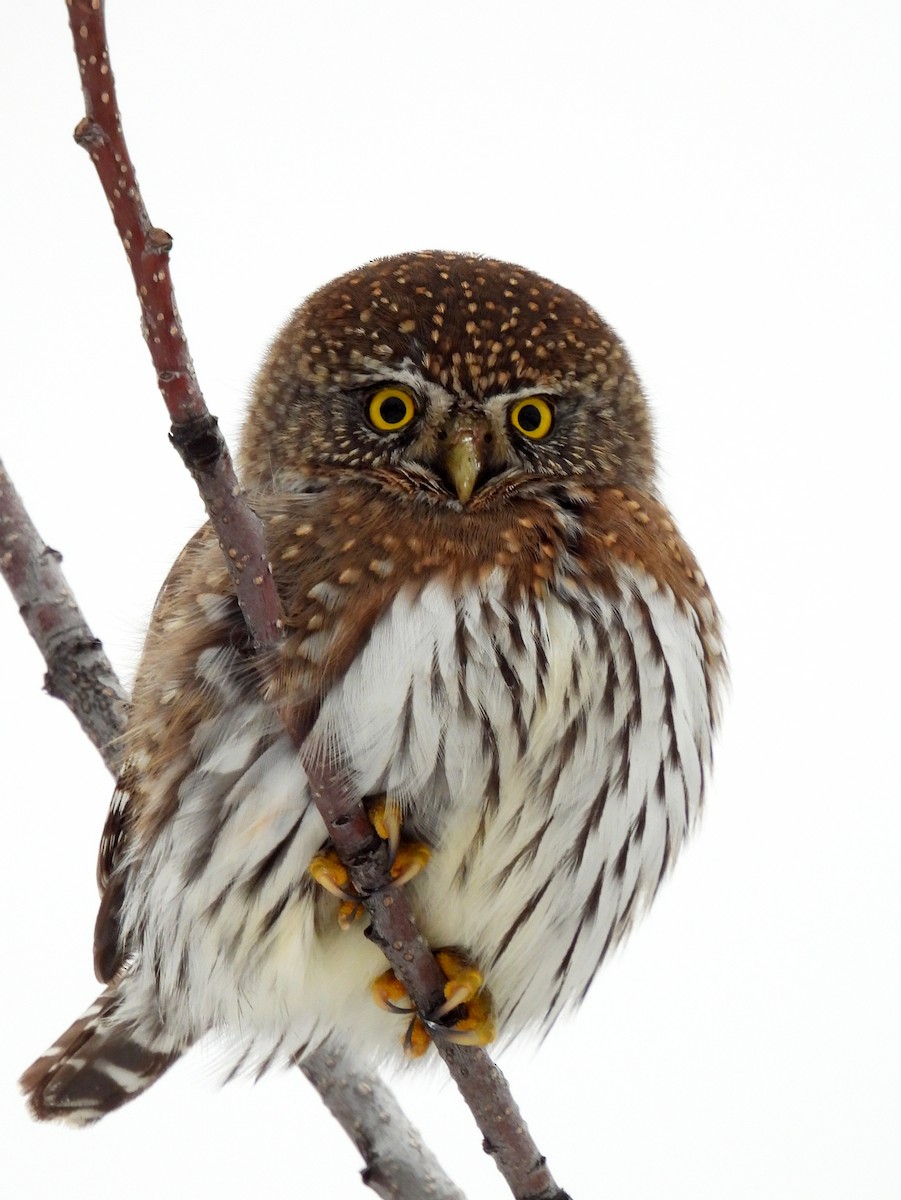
[409, 860]
[329, 872]
[466, 1017]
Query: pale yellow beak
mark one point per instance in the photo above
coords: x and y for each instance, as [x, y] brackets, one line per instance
[463, 461]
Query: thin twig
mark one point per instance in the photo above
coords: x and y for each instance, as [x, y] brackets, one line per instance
[198, 439]
[398, 1164]
[78, 671]
[195, 432]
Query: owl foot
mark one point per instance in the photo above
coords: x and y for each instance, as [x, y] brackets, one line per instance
[384, 813]
[466, 1016]
[330, 872]
[407, 860]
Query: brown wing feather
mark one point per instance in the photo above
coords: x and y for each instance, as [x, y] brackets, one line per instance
[196, 611]
[109, 953]
[96, 1066]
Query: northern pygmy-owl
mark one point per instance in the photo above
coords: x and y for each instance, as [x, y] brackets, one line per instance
[492, 621]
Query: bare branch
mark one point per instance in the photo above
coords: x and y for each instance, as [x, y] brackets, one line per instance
[195, 432]
[392, 1148]
[198, 439]
[399, 1166]
[78, 671]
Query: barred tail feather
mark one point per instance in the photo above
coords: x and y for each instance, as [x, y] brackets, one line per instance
[100, 1063]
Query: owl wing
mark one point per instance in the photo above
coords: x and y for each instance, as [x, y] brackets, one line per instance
[198, 669]
[194, 574]
[111, 882]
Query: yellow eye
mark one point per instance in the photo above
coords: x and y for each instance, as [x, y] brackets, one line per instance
[532, 416]
[391, 408]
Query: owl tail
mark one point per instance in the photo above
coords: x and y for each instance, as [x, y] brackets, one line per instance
[100, 1063]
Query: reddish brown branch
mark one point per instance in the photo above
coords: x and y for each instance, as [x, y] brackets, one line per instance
[78, 671]
[198, 439]
[195, 432]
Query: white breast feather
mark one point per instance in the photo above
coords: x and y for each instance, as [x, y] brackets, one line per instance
[577, 844]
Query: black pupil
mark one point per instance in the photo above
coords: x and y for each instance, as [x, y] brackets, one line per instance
[392, 410]
[529, 417]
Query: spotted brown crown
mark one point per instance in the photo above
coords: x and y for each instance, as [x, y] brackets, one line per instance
[460, 328]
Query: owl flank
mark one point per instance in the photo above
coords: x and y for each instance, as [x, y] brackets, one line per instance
[493, 627]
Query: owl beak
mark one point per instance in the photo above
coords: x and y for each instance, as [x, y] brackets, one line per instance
[463, 462]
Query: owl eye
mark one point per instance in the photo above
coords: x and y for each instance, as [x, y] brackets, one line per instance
[391, 408]
[532, 417]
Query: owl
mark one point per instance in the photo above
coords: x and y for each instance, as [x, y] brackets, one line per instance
[492, 624]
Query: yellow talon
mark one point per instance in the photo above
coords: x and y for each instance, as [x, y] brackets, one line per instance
[477, 1028]
[409, 860]
[417, 1039]
[464, 981]
[330, 872]
[388, 992]
[348, 912]
[384, 813]
[464, 990]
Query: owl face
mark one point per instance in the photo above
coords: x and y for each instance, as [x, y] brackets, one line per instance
[458, 378]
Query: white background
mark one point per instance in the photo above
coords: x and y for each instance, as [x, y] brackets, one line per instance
[722, 181]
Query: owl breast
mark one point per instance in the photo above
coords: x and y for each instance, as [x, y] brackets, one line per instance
[551, 751]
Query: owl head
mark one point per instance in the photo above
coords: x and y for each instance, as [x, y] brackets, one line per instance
[459, 378]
